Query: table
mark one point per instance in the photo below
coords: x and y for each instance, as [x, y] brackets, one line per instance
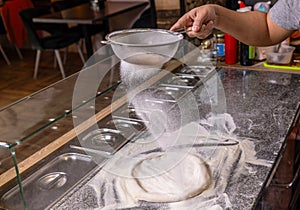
[85, 15]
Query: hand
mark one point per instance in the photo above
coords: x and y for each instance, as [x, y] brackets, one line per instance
[200, 20]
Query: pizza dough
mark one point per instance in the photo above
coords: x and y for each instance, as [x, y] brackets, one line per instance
[170, 177]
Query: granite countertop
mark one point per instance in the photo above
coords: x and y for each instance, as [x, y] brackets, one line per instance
[258, 107]
[263, 105]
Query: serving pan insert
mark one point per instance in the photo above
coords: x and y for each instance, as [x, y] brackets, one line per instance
[201, 71]
[105, 139]
[125, 125]
[174, 91]
[184, 80]
[50, 183]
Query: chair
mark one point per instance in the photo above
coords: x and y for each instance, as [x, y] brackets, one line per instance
[11, 26]
[58, 36]
[3, 31]
[4, 55]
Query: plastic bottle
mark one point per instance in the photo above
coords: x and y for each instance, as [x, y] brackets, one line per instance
[247, 53]
[231, 49]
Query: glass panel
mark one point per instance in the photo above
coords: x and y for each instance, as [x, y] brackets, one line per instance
[35, 112]
[31, 129]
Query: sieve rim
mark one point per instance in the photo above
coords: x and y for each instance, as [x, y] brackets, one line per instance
[109, 37]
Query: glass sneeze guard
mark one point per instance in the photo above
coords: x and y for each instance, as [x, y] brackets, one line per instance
[47, 111]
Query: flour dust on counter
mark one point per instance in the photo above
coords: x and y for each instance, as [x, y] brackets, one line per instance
[144, 175]
[157, 179]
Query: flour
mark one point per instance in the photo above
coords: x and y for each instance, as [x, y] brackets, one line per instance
[193, 170]
[159, 178]
[133, 75]
[158, 110]
[219, 159]
[222, 122]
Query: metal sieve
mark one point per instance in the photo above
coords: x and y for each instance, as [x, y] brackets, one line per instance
[144, 46]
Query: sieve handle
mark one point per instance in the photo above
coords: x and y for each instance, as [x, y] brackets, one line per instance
[183, 30]
[105, 42]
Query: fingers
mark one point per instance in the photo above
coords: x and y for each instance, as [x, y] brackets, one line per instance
[200, 20]
[176, 26]
[179, 25]
[183, 22]
[206, 30]
[203, 31]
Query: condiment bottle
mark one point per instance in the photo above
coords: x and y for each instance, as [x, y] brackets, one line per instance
[220, 46]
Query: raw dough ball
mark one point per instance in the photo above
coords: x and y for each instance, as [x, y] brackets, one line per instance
[170, 177]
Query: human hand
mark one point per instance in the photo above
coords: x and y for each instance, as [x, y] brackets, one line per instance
[199, 21]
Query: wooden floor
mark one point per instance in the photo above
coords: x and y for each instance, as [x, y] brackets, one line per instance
[16, 80]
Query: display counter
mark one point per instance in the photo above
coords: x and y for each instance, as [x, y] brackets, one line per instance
[213, 137]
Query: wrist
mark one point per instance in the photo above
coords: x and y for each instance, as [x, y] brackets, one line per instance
[218, 14]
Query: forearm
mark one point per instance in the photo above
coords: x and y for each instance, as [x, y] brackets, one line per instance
[253, 28]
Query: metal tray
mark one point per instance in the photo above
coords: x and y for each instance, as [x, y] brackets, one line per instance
[127, 112]
[105, 139]
[126, 126]
[184, 80]
[174, 91]
[201, 71]
[50, 182]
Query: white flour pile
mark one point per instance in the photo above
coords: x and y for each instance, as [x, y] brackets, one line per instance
[158, 179]
[194, 171]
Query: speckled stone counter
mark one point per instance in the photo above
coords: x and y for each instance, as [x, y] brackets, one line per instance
[263, 106]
